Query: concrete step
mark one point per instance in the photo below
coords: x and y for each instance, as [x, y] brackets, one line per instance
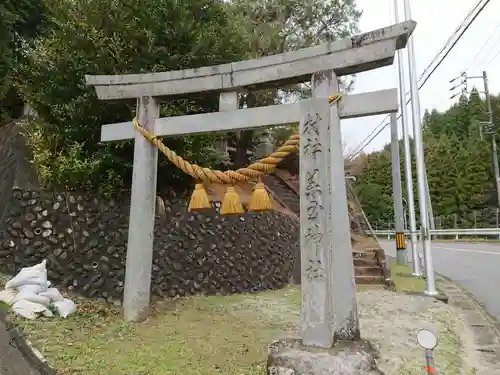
[368, 271]
[365, 262]
[370, 252]
[371, 286]
[369, 280]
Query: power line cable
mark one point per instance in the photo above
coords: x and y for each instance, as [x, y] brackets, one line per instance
[492, 47]
[492, 59]
[484, 45]
[467, 23]
[453, 35]
[455, 42]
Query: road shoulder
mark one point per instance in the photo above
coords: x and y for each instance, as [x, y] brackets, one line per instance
[483, 329]
[12, 360]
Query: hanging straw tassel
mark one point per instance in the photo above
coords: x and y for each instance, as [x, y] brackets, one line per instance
[260, 199]
[199, 199]
[231, 203]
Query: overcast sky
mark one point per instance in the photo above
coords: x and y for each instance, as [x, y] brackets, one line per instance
[436, 21]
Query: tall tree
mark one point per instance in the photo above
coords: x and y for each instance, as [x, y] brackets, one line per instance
[115, 37]
[273, 27]
[21, 21]
[458, 165]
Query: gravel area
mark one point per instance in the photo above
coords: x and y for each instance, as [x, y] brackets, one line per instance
[391, 321]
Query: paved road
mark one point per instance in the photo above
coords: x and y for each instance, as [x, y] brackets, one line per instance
[476, 267]
[11, 360]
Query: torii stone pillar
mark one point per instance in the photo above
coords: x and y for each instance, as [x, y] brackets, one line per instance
[142, 216]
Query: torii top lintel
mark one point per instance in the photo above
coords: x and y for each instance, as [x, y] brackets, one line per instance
[351, 55]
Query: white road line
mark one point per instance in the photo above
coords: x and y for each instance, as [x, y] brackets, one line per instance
[466, 250]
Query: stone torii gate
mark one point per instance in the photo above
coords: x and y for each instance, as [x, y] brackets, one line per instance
[329, 308]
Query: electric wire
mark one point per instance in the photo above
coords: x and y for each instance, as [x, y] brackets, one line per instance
[453, 35]
[370, 138]
[497, 41]
[460, 31]
[492, 59]
[454, 43]
[482, 47]
[362, 145]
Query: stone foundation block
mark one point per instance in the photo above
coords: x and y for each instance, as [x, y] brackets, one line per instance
[290, 357]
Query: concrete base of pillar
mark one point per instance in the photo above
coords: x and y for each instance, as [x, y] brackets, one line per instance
[290, 357]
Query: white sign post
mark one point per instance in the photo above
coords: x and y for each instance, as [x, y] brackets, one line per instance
[428, 340]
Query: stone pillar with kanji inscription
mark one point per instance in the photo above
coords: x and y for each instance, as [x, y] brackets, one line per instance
[340, 266]
[317, 307]
[329, 311]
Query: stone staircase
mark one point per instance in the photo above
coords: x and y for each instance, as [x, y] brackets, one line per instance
[282, 192]
[370, 267]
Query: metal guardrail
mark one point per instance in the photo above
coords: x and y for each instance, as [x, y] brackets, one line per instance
[448, 232]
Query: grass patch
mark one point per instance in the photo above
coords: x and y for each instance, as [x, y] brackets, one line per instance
[189, 336]
[405, 284]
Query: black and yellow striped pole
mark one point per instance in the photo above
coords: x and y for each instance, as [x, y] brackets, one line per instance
[400, 241]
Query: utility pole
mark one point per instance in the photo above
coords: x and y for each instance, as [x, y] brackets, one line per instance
[429, 203]
[492, 130]
[420, 161]
[410, 202]
[490, 127]
[397, 193]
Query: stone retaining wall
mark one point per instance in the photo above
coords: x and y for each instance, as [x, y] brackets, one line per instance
[84, 242]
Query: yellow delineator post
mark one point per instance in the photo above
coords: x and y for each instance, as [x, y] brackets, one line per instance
[400, 241]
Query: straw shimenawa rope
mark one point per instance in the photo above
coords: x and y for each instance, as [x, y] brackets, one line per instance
[260, 200]
[251, 172]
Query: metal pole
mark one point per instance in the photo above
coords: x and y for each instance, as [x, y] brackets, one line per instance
[405, 212]
[494, 154]
[429, 202]
[397, 194]
[419, 156]
[407, 158]
[430, 361]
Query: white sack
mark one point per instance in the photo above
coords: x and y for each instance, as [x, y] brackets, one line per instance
[27, 309]
[29, 275]
[32, 297]
[32, 288]
[48, 314]
[7, 296]
[53, 294]
[65, 307]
